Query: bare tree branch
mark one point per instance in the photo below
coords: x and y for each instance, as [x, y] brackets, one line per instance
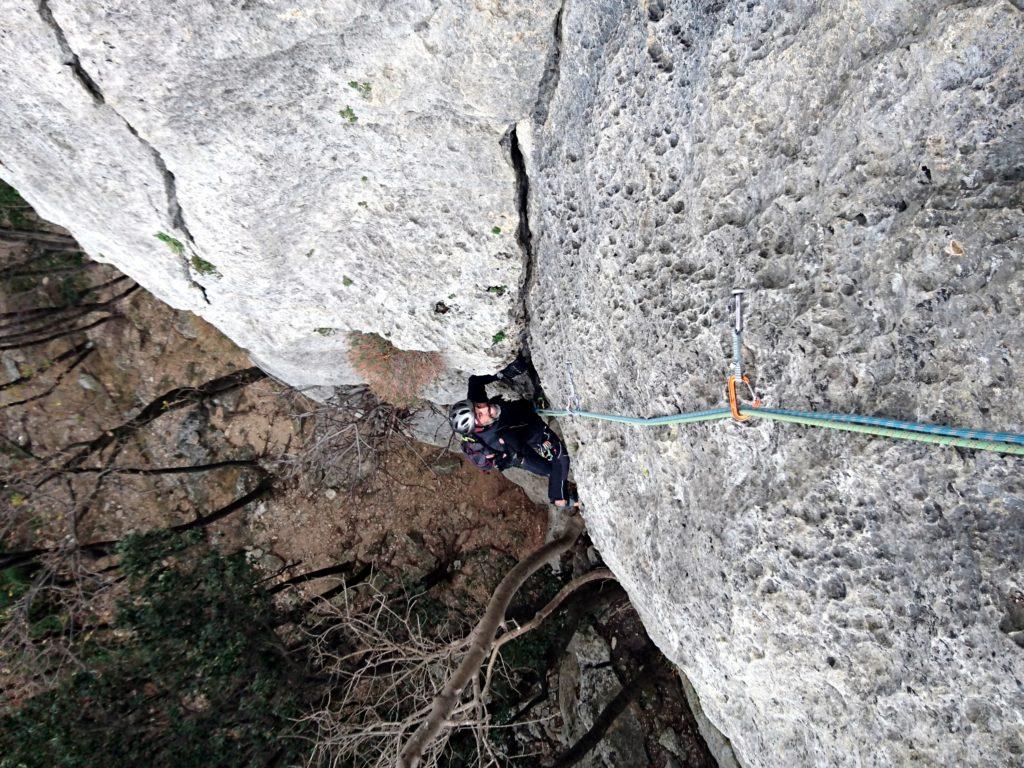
[87, 349]
[599, 574]
[171, 400]
[385, 666]
[105, 547]
[302, 578]
[28, 236]
[47, 318]
[23, 314]
[264, 487]
[480, 640]
[24, 378]
[60, 335]
[189, 469]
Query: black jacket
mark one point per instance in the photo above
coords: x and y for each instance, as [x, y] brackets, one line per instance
[516, 430]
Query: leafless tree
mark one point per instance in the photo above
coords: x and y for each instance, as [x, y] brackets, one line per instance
[343, 439]
[383, 665]
[59, 578]
[437, 719]
[400, 692]
[40, 629]
[55, 582]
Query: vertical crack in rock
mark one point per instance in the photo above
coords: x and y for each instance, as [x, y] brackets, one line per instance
[523, 234]
[174, 211]
[70, 57]
[549, 80]
[510, 141]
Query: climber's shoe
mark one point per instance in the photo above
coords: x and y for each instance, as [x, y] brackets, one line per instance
[573, 503]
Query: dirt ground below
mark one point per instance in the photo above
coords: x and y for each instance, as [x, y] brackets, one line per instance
[135, 417]
[419, 506]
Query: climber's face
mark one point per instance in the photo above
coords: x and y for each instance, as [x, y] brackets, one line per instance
[485, 413]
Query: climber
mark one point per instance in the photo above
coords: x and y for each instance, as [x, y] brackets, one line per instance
[499, 434]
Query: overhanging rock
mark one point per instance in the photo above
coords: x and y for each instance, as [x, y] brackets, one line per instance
[311, 168]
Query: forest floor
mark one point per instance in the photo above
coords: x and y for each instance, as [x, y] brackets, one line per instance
[342, 486]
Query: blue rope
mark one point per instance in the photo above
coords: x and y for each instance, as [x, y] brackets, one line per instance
[931, 429]
[843, 418]
[654, 421]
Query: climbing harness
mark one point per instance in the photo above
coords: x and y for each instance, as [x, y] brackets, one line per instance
[934, 434]
[477, 452]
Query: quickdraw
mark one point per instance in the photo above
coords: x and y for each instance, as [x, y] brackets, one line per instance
[896, 429]
[737, 361]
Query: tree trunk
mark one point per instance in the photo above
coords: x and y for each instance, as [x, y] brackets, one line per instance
[480, 641]
[28, 236]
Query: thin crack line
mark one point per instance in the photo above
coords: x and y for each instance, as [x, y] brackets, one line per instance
[552, 73]
[524, 236]
[174, 210]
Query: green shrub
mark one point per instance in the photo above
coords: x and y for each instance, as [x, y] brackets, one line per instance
[203, 267]
[363, 89]
[171, 242]
[197, 678]
[395, 375]
[67, 282]
[14, 582]
[14, 212]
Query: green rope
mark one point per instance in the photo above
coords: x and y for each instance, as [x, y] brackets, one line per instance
[998, 442]
[755, 413]
[654, 421]
[898, 434]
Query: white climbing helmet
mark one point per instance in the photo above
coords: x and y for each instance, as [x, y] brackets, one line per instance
[462, 418]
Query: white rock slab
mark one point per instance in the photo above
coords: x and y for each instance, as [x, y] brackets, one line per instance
[326, 166]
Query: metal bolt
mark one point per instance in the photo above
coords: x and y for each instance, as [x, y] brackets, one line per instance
[737, 303]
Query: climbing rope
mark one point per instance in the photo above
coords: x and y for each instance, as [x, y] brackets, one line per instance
[874, 421]
[655, 421]
[1000, 442]
[933, 434]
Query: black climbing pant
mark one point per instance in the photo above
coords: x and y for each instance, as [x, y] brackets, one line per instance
[554, 465]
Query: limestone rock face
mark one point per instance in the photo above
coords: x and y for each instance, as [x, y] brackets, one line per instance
[836, 600]
[295, 171]
[314, 167]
